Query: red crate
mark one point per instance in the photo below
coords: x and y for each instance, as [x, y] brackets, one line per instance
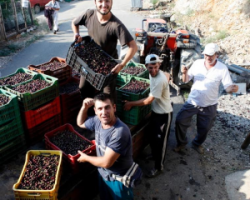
[72, 99]
[71, 160]
[70, 115]
[42, 113]
[62, 74]
[36, 134]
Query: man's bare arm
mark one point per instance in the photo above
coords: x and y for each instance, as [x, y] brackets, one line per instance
[82, 115]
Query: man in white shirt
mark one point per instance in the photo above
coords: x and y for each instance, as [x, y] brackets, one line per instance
[161, 115]
[54, 5]
[207, 75]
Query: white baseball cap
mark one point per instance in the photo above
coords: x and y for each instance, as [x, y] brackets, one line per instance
[211, 49]
[152, 58]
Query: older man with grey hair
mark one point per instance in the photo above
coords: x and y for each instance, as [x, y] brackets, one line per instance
[207, 74]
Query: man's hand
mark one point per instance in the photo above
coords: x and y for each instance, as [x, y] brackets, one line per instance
[78, 38]
[88, 102]
[117, 68]
[184, 69]
[127, 106]
[232, 89]
[83, 157]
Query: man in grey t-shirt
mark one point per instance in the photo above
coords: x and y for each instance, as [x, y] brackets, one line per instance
[113, 146]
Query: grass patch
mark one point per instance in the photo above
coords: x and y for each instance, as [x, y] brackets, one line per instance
[219, 36]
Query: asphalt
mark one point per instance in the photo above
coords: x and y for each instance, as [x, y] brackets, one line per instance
[237, 184]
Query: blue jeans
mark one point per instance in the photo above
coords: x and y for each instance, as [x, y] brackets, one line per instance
[205, 121]
[114, 190]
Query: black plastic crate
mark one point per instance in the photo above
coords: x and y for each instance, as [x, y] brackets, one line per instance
[97, 80]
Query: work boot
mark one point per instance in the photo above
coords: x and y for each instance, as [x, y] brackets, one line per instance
[199, 148]
[153, 173]
[178, 148]
[54, 32]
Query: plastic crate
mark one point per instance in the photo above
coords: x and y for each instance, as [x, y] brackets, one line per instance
[123, 78]
[42, 113]
[10, 110]
[21, 194]
[97, 80]
[70, 159]
[12, 148]
[11, 130]
[136, 113]
[20, 70]
[29, 101]
[36, 134]
[62, 73]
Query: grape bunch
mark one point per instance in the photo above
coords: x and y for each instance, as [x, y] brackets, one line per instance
[52, 66]
[133, 70]
[15, 79]
[135, 86]
[4, 99]
[32, 86]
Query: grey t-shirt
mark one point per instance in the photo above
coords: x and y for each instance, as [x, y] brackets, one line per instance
[106, 34]
[117, 138]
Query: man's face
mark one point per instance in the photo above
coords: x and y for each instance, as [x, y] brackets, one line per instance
[103, 6]
[105, 111]
[211, 60]
[153, 68]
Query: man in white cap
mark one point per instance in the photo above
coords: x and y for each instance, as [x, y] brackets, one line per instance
[207, 74]
[161, 115]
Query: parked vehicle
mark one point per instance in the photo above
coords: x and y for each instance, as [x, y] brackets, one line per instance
[38, 4]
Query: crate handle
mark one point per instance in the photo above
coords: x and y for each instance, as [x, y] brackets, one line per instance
[48, 78]
[34, 194]
[45, 154]
[84, 71]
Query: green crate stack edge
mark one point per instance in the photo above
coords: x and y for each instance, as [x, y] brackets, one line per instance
[34, 101]
[137, 113]
[122, 78]
[12, 139]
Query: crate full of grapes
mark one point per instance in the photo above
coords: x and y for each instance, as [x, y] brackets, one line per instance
[21, 75]
[35, 92]
[136, 89]
[68, 140]
[92, 62]
[56, 67]
[40, 175]
[131, 69]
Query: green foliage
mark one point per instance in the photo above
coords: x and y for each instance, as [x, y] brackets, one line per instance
[219, 36]
[154, 2]
[11, 48]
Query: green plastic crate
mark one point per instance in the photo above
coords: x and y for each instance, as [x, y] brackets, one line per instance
[12, 148]
[137, 113]
[11, 130]
[20, 70]
[10, 110]
[29, 101]
[123, 78]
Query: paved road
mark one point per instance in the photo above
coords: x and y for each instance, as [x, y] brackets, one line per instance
[57, 45]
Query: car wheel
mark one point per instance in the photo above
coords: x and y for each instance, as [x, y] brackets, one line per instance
[37, 9]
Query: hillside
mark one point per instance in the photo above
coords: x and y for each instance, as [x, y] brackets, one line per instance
[225, 22]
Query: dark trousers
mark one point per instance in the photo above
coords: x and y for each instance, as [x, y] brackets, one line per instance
[87, 90]
[50, 21]
[159, 127]
[205, 120]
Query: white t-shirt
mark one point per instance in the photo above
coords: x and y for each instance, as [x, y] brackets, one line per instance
[205, 89]
[159, 89]
[54, 5]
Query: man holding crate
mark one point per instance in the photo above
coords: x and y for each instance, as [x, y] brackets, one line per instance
[105, 29]
[113, 147]
[161, 116]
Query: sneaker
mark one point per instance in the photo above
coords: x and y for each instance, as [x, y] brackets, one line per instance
[57, 30]
[153, 173]
[199, 148]
[178, 148]
[54, 32]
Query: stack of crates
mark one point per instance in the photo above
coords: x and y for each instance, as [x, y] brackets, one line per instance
[12, 139]
[40, 110]
[122, 77]
[71, 101]
[137, 113]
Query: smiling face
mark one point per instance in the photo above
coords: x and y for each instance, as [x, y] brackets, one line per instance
[103, 6]
[153, 69]
[105, 111]
[210, 60]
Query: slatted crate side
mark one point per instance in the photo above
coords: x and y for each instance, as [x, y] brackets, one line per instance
[29, 101]
[10, 110]
[42, 113]
[36, 134]
[62, 73]
[11, 130]
[12, 148]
